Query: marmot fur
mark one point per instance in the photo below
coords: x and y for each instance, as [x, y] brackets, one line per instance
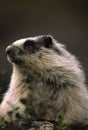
[49, 78]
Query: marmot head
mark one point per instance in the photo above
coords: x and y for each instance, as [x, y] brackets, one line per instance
[38, 52]
[42, 54]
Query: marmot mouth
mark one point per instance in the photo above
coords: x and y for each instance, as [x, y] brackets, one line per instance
[13, 59]
[11, 55]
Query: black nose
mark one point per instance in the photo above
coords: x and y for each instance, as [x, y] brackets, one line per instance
[9, 50]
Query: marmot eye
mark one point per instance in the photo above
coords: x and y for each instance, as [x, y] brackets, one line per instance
[28, 44]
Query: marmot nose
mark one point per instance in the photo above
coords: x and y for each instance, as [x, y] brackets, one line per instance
[9, 50]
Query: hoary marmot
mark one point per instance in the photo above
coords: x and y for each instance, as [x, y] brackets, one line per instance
[49, 78]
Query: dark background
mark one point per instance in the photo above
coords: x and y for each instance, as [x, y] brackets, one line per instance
[66, 20]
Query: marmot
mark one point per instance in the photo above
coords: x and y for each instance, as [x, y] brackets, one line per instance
[49, 77]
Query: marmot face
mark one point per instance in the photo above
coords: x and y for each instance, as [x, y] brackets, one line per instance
[38, 51]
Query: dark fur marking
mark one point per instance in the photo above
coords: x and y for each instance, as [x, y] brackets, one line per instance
[47, 42]
[57, 51]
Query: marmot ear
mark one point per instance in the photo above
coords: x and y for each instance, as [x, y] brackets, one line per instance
[47, 41]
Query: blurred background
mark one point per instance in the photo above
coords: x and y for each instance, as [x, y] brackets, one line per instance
[66, 20]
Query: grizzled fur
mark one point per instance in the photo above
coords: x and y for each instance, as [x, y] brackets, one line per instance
[43, 70]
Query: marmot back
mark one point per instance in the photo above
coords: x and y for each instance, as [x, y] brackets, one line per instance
[49, 78]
